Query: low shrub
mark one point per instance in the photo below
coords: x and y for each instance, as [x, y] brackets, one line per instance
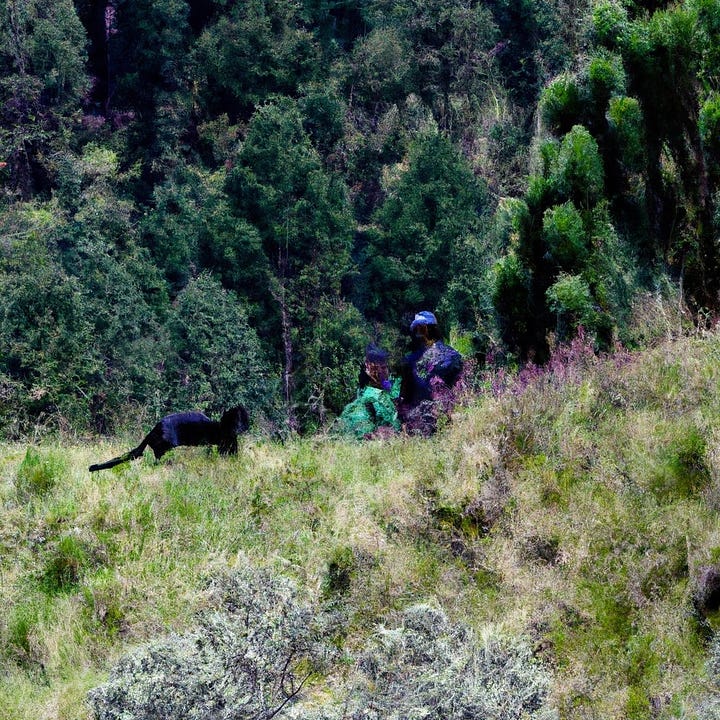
[254, 650]
[249, 657]
[65, 565]
[341, 569]
[707, 705]
[683, 469]
[425, 666]
[21, 623]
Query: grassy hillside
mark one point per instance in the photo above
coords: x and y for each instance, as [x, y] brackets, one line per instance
[571, 510]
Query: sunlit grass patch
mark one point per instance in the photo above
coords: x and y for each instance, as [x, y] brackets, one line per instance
[39, 472]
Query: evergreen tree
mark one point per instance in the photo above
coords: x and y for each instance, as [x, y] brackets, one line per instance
[149, 94]
[433, 204]
[217, 360]
[252, 50]
[303, 217]
[42, 79]
[320, 159]
[45, 335]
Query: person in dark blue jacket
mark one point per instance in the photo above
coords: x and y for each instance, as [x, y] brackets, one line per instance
[428, 374]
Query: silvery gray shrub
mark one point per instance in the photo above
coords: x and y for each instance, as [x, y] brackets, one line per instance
[427, 668]
[707, 707]
[252, 653]
[248, 657]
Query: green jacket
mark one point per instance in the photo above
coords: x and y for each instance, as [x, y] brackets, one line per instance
[371, 409]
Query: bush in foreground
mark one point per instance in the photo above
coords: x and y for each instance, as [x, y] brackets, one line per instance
[252, 654]
[428, 667]
[707, 706]
[249, 656]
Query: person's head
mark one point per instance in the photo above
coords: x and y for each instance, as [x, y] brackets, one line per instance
[424, 327]
[376, 366]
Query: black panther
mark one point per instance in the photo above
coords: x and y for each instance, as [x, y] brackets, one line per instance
[188, 428]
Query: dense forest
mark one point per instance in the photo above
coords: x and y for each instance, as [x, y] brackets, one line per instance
[206, 202]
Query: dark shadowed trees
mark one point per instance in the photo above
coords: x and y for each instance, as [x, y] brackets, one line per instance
[302, 213]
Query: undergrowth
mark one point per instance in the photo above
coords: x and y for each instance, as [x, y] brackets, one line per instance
[572, 509]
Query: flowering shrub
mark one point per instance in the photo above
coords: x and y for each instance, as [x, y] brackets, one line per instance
[568, 363]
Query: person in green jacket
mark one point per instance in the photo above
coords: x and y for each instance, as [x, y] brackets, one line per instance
[373, 412]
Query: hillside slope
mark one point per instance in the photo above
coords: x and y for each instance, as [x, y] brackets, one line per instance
[568, 513]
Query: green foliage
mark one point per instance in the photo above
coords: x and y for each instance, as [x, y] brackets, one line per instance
[382, 66]
[606, 77]
[511, 286]
[280, 145]
[668, 54]
[45, 336]
[251, 51]
[561, 227]
[709, 126]
[610, 23]
[42, 65]
[577, 173]
[626, 123]
[323, 114]
[217, 360]
[300, 210]
[192, 228]
[147, 55]
[570, 296]
[302, 215]
[341, 569]
[684, 470]
[445, 58]
[512, 218]
[565, 236]
[55, 46]
[612, 271]
[172, 230]
[114, 272]
[65, 565]
[331, 360]
[433, 203]
[20, 625]
[65, 347]
[560, 104]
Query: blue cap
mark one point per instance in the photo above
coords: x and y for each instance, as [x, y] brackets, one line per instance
[424, 317]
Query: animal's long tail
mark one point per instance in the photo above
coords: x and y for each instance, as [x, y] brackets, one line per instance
[133, 454]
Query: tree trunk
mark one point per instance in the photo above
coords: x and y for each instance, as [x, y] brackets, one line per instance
[279, 295]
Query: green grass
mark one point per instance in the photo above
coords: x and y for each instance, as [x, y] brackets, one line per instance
[575, 514]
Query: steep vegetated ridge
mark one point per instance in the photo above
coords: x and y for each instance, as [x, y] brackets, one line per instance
[263, 187]
[554, 552]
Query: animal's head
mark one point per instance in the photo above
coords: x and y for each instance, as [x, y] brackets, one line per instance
[235, 420]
